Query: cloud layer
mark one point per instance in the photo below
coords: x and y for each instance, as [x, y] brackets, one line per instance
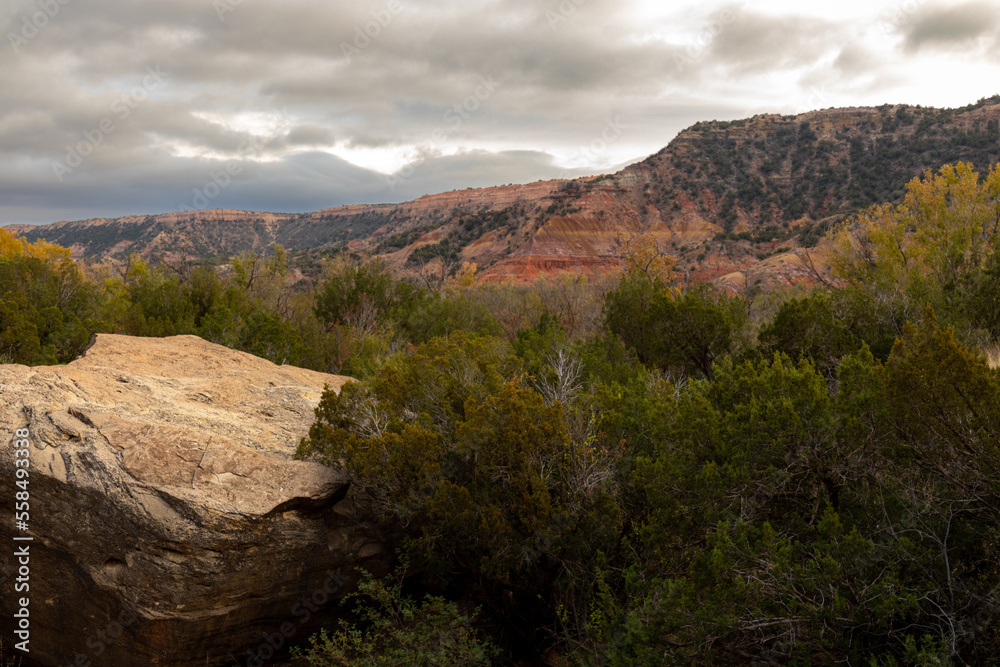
[113, 107]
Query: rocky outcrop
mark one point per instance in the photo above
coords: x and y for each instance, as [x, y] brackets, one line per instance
[170, 524]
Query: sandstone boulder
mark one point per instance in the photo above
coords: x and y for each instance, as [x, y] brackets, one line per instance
[170, 525]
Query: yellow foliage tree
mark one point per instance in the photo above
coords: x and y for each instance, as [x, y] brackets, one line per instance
[14, 247]
[641, 253]
[464, 277]
[922, 250]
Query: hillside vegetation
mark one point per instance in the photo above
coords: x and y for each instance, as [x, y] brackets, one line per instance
[723, 197]
[639, 469]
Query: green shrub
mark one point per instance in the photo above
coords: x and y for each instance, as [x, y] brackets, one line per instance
[394, 630]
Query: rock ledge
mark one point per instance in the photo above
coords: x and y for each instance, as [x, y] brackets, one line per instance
[171, 525]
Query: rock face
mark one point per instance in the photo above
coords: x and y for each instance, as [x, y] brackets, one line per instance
[170, 525]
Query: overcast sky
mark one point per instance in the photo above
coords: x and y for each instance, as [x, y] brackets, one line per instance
[116, 107]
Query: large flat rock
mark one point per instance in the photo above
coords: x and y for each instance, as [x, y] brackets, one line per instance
[170, 524]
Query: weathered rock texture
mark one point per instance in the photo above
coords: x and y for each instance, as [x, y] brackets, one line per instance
[170, 525]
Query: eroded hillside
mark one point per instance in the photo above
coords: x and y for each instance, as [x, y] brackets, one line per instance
[733, 201]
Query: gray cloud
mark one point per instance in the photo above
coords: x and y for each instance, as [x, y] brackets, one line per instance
[854, 59]
[310, 135]
[302, 182]
[756, 43]
[951, 27]
[287, 93]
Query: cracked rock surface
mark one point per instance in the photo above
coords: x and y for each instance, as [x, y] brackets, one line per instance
[170, 525]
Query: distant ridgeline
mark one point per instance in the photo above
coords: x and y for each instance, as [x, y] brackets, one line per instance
[773, 168]
[753, 187]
